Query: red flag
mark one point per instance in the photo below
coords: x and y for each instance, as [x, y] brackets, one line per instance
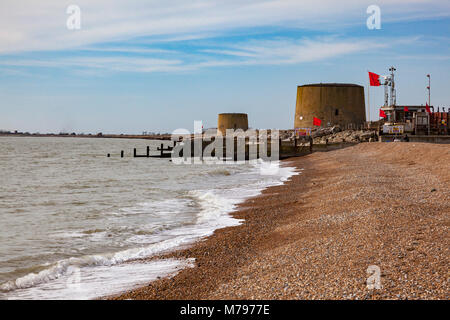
[406, 109]
[374, 79]
[382, 114]
[317, 122]
[428, 108]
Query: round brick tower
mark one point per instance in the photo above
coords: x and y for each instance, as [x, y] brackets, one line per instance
[333, 103]
[231, 121]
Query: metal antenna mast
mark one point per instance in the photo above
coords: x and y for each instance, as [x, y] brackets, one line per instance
[386, 92]
[393, 101]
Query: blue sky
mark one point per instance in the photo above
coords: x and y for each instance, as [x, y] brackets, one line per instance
[159, 65]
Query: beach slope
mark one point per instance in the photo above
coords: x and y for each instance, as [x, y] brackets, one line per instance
[382, 206]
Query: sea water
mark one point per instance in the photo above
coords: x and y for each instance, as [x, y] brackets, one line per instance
[75, 224]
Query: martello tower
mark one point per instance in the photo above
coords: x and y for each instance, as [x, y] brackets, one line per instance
[231, 121]
[333, 103]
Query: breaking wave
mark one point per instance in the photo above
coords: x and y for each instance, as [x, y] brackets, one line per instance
[213, 212]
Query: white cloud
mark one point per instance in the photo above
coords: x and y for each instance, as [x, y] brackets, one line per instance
[265, 52]
[128, 25]
[126, 64]
[127, 50]
[41, 25]
[278, 52]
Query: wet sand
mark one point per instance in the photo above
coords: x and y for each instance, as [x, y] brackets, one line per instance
[374, 204]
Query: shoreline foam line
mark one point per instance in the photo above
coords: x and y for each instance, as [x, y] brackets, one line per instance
[215, 213]
[317, 236]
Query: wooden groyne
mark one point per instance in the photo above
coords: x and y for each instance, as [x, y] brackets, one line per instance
[242, 149]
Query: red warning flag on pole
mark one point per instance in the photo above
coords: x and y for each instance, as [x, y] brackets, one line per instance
[374, 79]
[317, 122]
[428, 108]
[382, 114]
[406, 109]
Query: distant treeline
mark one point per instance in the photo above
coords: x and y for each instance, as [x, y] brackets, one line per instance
[156, 136]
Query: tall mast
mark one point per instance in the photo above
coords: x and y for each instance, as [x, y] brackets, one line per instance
[386, 92]
[393, 101]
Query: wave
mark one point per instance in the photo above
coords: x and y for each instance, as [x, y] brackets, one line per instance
[100, 281]
[157, 207]
[62, 267]
[214, 208]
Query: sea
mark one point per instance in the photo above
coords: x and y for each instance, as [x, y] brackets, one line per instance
[76, 224]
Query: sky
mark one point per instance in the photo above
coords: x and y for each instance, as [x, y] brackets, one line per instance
[159, 65]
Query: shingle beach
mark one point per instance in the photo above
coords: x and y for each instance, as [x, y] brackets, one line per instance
[385, 205]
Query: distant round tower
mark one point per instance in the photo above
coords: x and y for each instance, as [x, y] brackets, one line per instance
[333, 103]
[231, 121]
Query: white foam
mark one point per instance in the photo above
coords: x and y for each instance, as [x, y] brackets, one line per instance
[94, 282]
[156, 207]
[61, 268]
[215, 208]
[63, 235]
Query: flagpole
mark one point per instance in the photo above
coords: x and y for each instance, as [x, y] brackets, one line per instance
[368, 101]
[368, 98]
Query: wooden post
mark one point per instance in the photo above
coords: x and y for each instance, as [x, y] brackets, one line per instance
[108, 155]
[148, 152]
[162, 146]
[213, 140]
[247, 148]
[134, 153]
[257, 146]
[224, 147]
[121, 154]
[279, 148]
[310, 144]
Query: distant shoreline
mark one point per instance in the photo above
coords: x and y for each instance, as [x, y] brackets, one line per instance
[164, 136]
